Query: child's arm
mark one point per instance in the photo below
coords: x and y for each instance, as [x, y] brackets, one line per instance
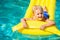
[24, 22]
[49, 23]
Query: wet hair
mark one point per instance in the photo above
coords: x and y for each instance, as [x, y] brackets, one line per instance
[36, 7]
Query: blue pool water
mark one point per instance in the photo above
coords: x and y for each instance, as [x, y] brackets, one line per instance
[11, 11]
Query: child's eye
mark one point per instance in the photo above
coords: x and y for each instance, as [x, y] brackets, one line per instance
[41, 13]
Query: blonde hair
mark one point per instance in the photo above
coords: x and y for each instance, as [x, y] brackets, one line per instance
[37, 7]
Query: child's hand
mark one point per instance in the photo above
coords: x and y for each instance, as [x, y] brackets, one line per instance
[42, 27]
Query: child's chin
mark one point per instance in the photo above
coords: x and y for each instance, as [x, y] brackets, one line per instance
[39, 18]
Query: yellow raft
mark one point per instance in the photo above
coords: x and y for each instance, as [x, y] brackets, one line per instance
[35, 25]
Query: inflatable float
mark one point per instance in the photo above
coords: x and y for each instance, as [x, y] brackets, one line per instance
[34, 26]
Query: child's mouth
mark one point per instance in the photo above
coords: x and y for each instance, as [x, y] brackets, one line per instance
[39, 17]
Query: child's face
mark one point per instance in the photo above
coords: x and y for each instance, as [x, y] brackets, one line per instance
[38, 13]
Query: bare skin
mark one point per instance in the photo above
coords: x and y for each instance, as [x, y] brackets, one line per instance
[38, 14]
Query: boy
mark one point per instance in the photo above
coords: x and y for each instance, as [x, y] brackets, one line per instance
[39, 14]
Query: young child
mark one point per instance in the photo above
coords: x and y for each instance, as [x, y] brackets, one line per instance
[39, 14]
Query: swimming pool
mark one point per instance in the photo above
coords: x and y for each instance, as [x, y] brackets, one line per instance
[11, 11]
